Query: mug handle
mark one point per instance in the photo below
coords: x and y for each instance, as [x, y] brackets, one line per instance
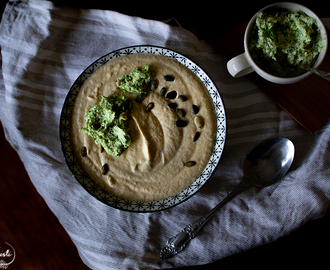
[239, 66]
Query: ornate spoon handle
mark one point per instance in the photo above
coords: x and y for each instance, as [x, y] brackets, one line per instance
[177, 243]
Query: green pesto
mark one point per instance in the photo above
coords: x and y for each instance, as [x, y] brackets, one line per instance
[137, 81]
[107, 124]
[283, 40]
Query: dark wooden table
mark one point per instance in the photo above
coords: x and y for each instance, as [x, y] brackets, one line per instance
[38, 238]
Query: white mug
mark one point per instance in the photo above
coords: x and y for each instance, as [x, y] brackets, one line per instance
[244, 64]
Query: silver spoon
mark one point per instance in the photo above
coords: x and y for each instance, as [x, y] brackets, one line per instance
[321, 73]
[266, 164]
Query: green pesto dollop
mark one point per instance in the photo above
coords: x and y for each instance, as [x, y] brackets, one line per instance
[107, 124]
[281, 42]
[137, 81]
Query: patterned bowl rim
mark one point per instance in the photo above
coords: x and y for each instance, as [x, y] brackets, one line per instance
[112, 200]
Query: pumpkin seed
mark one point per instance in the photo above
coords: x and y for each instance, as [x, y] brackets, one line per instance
[180, 123]
[189, 164]
[104, 169]
[172, 95]
[83, 151]
[199, 122]
[196, 136]
[149, 107]
[162, 92]
[182, 98]
[195, 109]
[153, 85]
[101, 148]
[180, 112]
[141, 97]
[172, 106]
[169, 78]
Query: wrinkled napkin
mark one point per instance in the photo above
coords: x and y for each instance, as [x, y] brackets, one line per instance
[43, 50]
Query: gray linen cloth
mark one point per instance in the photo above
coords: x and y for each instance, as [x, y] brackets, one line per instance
[44, 48]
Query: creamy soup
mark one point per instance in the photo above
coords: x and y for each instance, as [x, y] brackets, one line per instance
[171, 140]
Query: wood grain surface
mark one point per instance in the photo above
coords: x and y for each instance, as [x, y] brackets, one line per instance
[307, 101]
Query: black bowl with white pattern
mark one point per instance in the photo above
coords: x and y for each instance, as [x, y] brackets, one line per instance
[115, 201]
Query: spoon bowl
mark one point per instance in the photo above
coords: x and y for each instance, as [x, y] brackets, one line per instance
[265, 165]
[268, 162]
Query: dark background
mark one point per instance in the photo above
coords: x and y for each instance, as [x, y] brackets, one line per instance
[32, 229]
